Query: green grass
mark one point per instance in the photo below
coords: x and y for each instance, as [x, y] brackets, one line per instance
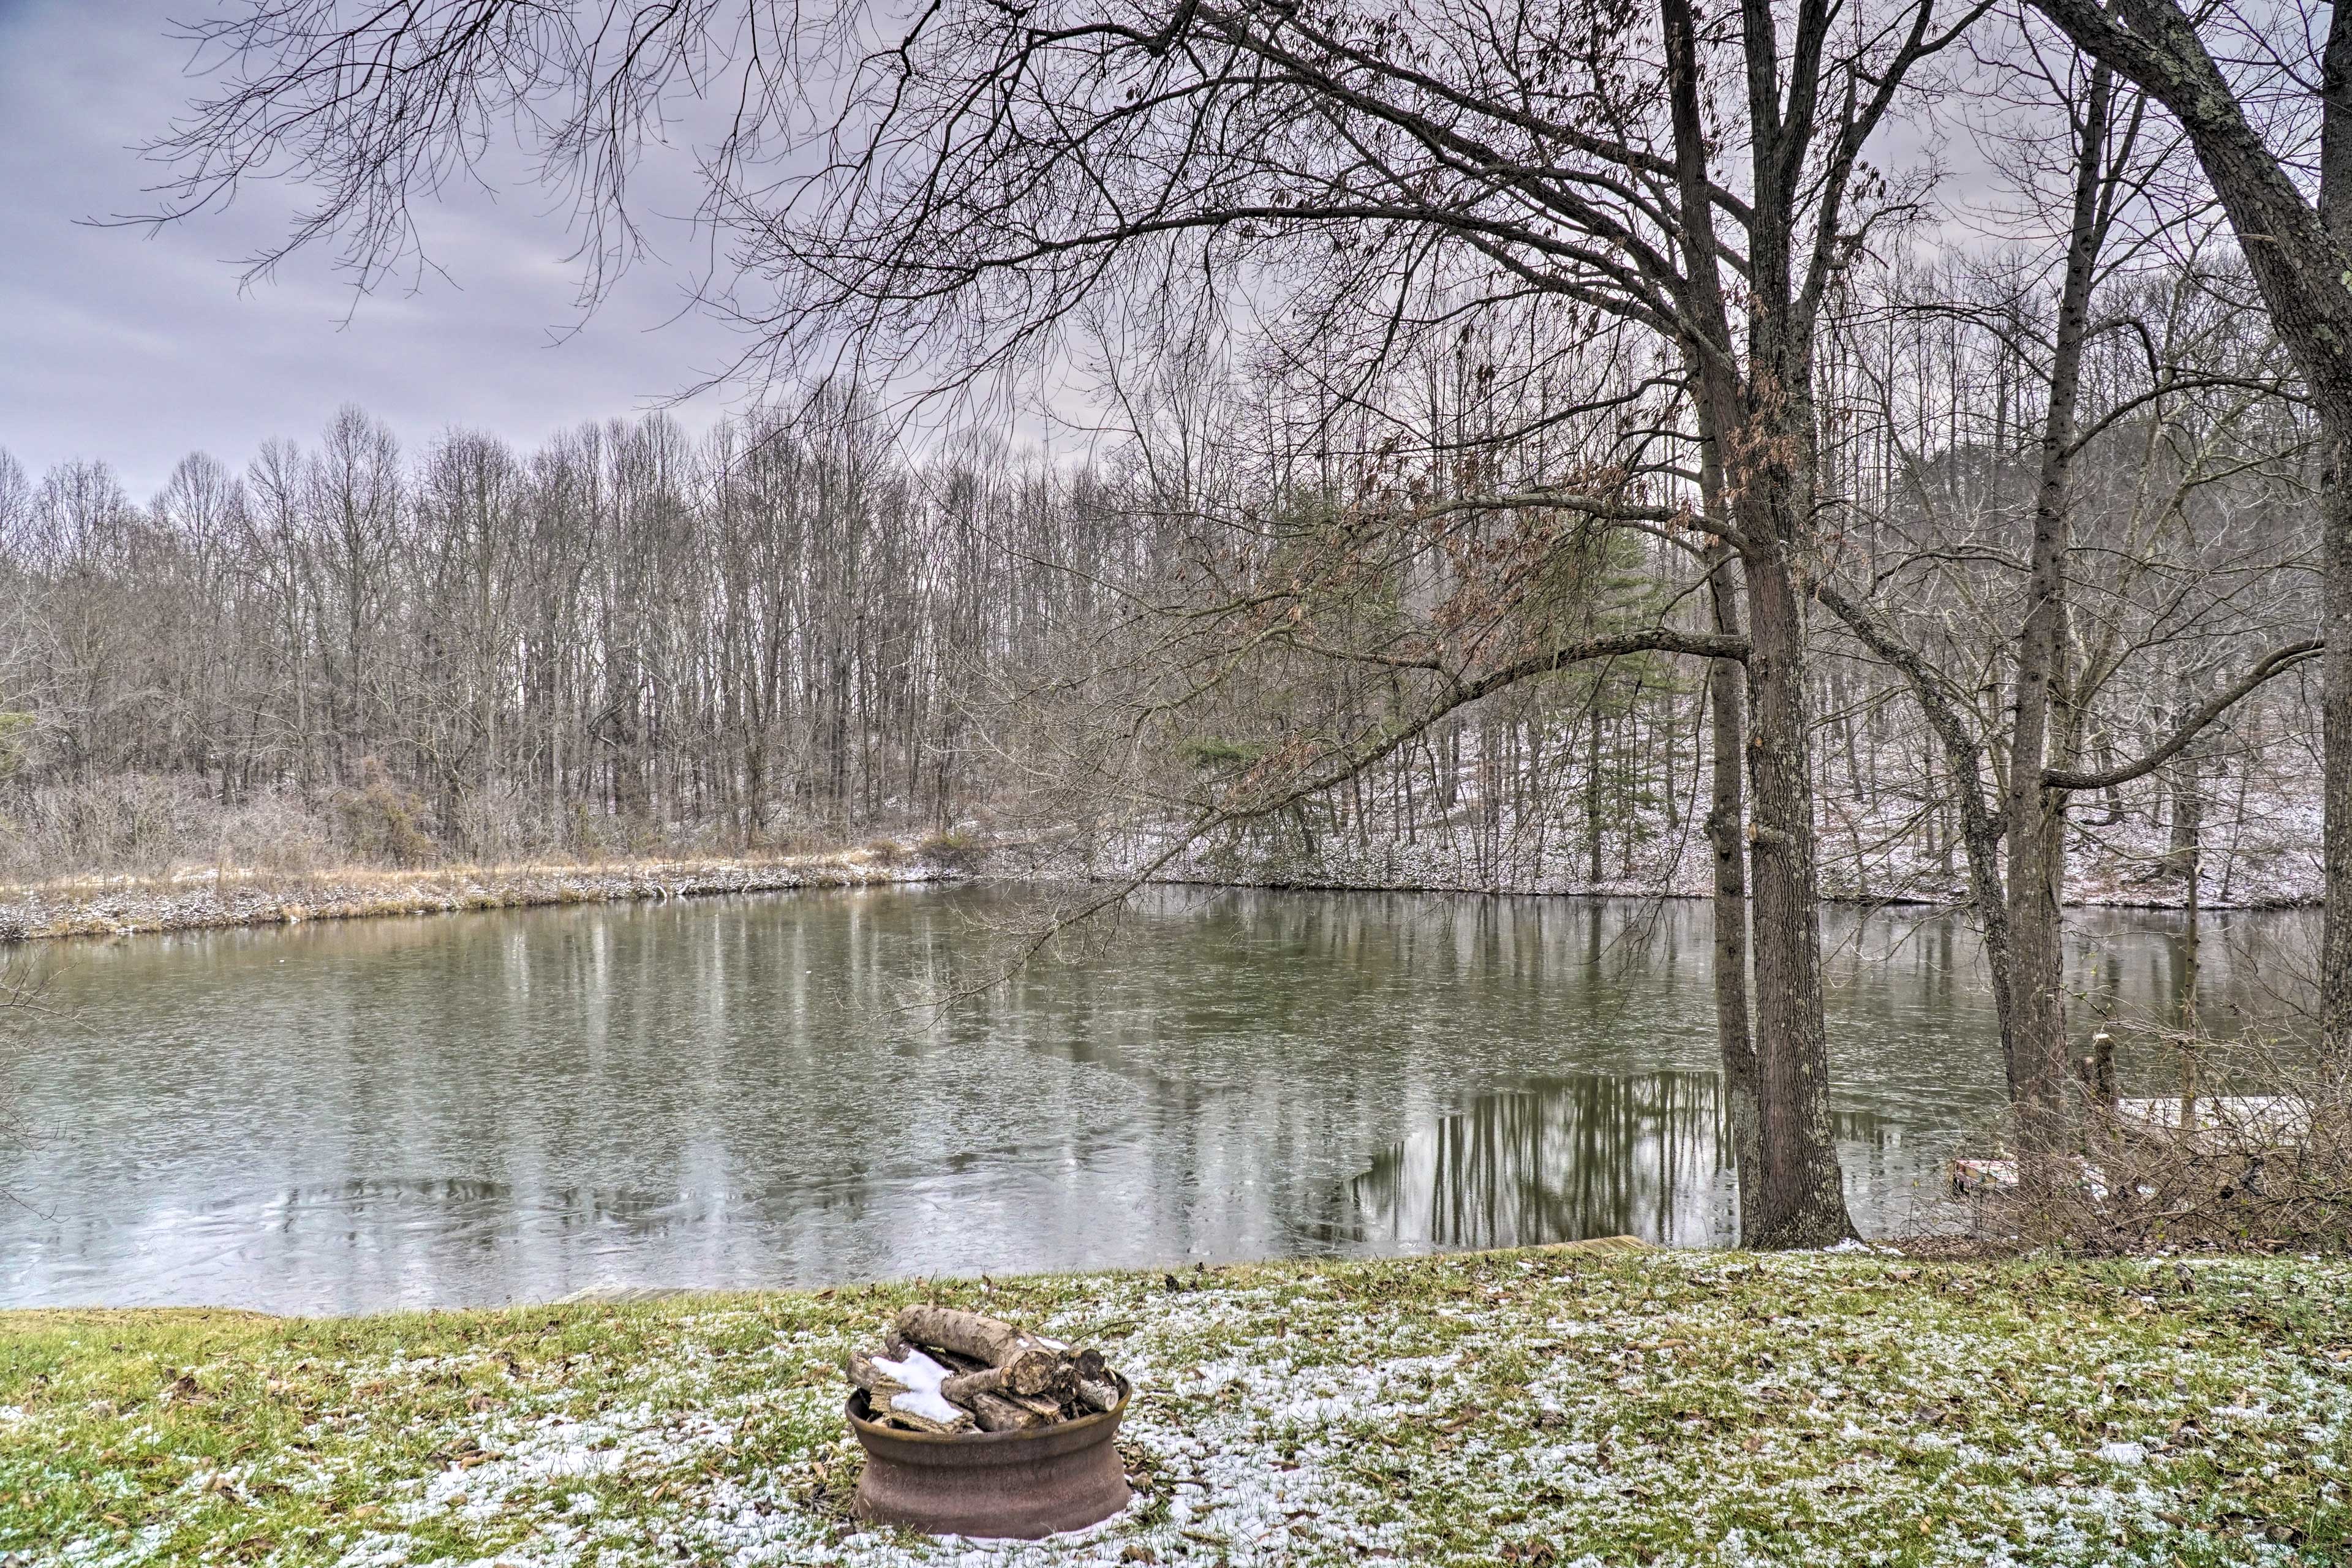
[1530, 1407]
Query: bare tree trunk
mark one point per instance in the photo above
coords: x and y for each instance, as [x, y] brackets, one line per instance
[1593, 813]
[2335, 728]
[2336, 561]
[2038, 1075]
[1734, 1036]
[1802, 1192]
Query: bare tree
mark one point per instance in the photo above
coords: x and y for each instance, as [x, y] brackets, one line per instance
[2055, 673]
[2267, 105]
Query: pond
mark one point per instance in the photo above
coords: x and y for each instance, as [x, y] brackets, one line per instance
[470, 1109]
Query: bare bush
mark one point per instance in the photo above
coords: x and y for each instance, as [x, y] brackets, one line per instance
[135, 822]
[2250, 1148]
[273, 831]
[384, 822]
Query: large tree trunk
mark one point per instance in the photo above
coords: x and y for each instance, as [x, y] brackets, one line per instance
[1757, 444]
[2336, 564]
[2336, 841]
[1799, 1194]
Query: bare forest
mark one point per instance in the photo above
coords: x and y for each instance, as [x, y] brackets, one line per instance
[800, 630]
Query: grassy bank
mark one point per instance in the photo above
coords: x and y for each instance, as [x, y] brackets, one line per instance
[1532, 1408]
[208, 898]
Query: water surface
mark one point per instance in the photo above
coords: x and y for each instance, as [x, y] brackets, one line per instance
[476, 1109]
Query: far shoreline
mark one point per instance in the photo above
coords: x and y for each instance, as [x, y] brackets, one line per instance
[209, 900]
[206, 899]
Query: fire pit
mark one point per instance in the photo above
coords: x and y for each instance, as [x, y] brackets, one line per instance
[1025, 1483]
[972, 1426]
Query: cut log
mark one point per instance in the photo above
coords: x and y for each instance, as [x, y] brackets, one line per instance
[919, 1421]
[964, 1385]
[1091, 1381]
[1030, 1364]
[991, 1340]
[999, 1413]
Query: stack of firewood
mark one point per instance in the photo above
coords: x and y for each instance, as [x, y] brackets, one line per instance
[945, 1371]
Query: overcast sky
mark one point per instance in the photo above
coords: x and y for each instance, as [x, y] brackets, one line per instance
[139, 349]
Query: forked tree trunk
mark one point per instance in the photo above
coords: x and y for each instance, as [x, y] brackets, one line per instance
[1755, 422]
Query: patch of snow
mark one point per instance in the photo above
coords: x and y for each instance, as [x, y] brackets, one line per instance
[922, 1376]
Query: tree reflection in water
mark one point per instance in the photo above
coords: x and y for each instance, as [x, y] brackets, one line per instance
[1595, 1154]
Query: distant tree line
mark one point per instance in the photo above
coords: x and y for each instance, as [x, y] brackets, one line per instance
[789, 631]
[628, 638]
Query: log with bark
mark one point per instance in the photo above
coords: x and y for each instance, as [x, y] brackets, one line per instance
[946, 1371]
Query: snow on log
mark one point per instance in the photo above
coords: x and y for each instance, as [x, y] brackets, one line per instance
[908, 1390]
[949, 1370]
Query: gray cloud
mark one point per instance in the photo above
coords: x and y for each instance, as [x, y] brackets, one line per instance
[138, 350]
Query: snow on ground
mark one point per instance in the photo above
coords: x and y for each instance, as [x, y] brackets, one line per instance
[1550, 1406]
[2262, 850]
[121, 906]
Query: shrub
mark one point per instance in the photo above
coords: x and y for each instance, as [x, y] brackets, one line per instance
[953, 849]
[2262, 1161]
[276, 832]
[135, 824]
[384, 822]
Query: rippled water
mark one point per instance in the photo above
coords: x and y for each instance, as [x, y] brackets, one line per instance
[482, 1108]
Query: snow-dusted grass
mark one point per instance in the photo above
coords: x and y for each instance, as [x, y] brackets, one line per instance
[204, 898]
[1555, 1407]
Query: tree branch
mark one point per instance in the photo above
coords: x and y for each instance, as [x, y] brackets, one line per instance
[2278, 662]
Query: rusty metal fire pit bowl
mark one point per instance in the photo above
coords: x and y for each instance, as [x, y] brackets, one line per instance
[1023, 1485]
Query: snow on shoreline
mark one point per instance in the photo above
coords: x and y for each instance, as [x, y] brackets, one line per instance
[2268, 857]
[206, 899]
[2267, 860]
